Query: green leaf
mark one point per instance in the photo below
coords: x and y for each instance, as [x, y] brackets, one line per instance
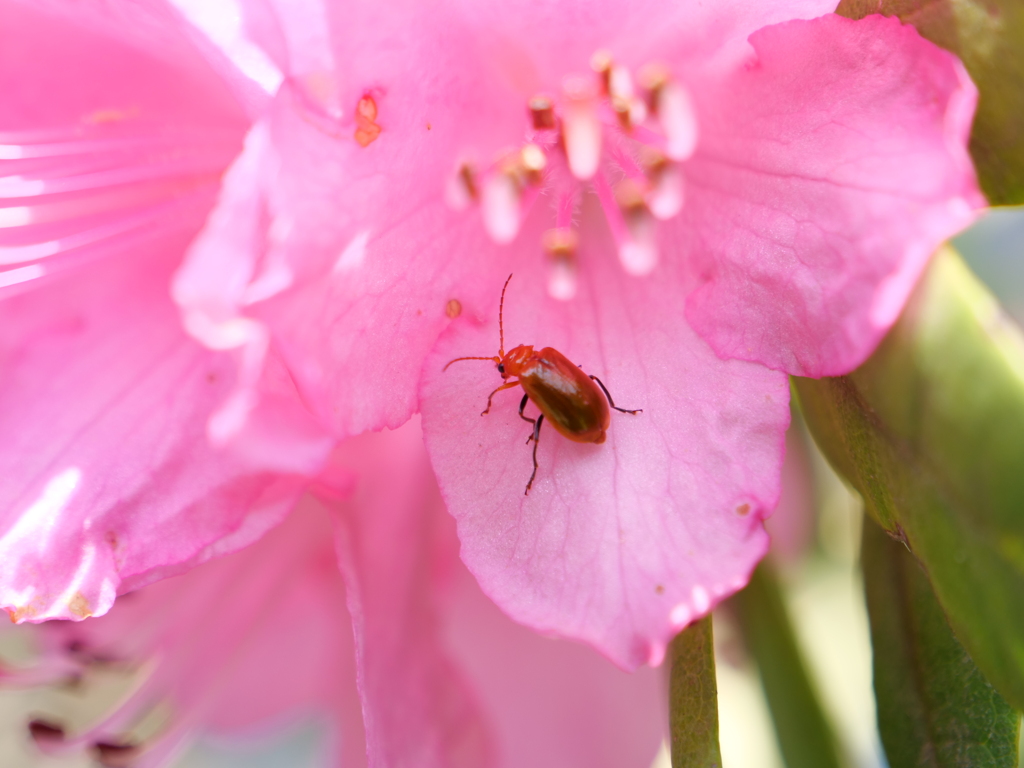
[805, 737]
[693, 698]
[935, 709]
[988, 36]
[930, 430]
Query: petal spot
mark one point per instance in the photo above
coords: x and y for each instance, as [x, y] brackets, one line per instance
[101, 116]
[79, 606]
[743, 510]
[21, 613]
[453, 308]
[659, 589]
[367, 129]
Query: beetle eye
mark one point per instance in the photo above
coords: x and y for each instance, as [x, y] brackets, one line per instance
[501, 368]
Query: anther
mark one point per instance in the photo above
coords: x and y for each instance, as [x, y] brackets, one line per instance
[638, 251]
[468, 181]
[461, 189]
[652, 78]
[581, 129]
[601, 63]
[622, 110]
[45, 732]
[560, 242]
[560, 245]
[533, 162]
[630, 198]
[670, 103]
[665, 194]
[665, 199]
[542, 112]
[116, 754]
[678, 121]
[500, 205]
[653, 161]
[620, 84]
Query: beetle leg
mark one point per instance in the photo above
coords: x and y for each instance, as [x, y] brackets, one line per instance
[506, 385]
[536, 442]
[522, 405]
[612, 402]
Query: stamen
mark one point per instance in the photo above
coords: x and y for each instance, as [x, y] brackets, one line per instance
[581, 130]
[461, 189]
[639, 252]
[46, 733]
[620, 84]
[601, 63]
[560, 245]
[622, 111]
[671, 104]
[665, 198]
[652, 78]
[631, 224]
[678, 120]
[500, 205]
[533, 161]
[542, 113]
[599, 128]
[116, 755]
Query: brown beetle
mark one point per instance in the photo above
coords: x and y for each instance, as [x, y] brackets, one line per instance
[565, 395]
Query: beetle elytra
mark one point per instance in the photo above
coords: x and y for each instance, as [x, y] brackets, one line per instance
[565, 395]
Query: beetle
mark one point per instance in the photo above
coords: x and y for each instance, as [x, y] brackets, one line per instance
[563, 393]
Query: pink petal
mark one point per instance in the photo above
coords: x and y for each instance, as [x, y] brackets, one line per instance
[152, 32]
[63, 61]
[264, 633]
[829, 171]
[620, 544]
[417, 708]
[256, 636]
[446, 678]
[551, 703]
[112, 481]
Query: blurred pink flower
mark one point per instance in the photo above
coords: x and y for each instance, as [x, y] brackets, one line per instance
[418, 669]
[762, 209]
[111, 150]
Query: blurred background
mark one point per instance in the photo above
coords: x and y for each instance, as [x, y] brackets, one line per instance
[816, 537]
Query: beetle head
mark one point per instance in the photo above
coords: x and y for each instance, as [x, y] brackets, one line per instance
[514, 362]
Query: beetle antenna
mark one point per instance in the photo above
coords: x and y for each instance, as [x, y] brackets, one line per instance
[501, 319]
[492, 359]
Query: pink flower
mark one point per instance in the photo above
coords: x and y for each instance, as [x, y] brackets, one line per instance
[763, 208]
[419, 668]
[112, 479]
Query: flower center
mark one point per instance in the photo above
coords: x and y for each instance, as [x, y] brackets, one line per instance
[623, 139]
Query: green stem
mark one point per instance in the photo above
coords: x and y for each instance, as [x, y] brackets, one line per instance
[693, 698]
